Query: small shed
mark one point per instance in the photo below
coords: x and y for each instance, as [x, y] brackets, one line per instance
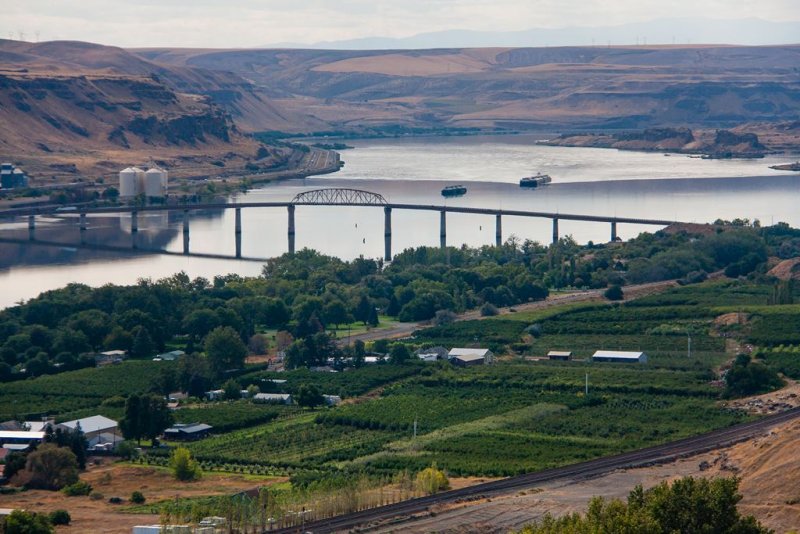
[273, 398]
[619, 356]
[561, 355]
[432, 354]
[215, 394]
[187, 431]
[170, 356]
[464, 357]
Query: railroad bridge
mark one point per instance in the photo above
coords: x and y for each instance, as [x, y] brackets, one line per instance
[324, 197]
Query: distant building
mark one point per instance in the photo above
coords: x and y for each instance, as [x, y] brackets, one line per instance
[332, 400]
[20, 440]
[169, 356]
[562, 355]
[273, 398]
[432, 354]
[187, 431]
[619, 356]
[215, 394]
[97, 429]
[110, 357]
[464, 357]
[12, 177]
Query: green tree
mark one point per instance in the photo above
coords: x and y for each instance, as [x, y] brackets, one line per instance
[22, 522]
[614, 292]
[399, 354]
[143, 345]
[336, 313]
[696, 505]
[308, 395]
[363, 309]
[183, 466]
[232, 389]
[225, 349]
[359, 353]
[51, 467]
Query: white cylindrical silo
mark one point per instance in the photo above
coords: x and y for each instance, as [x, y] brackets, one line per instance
[139, 179]
[153, 184]
[127, 183]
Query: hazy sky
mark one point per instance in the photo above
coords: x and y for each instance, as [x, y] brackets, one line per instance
[246, 23]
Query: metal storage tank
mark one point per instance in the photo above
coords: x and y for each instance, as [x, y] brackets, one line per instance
[154, 183]
[128, 183]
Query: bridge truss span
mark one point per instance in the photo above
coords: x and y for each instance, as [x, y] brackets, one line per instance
[340, 196]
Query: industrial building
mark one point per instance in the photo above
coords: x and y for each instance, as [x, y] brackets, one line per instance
[619, 356]
[560, 355]
[134, 181]
[12, 177]
[97, 429]
[464, 357]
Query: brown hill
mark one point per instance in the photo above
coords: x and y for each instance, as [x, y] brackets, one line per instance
[70, 108]
[561, 87]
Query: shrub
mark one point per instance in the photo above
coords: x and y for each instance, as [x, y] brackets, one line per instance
[126, 450]
[614, 293]
[137, 497]
[115, 500]
[77, 489]
[52, 467]
[60, 517]
[96, 496]
[489, 310]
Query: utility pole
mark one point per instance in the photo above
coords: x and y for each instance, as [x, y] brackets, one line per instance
[586, 389]
[415, 427]
[688, 344]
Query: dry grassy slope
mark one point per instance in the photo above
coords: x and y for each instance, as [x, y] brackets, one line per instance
[245, 103]
[562, 86]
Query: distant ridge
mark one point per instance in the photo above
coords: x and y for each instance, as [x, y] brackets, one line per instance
[668, 31]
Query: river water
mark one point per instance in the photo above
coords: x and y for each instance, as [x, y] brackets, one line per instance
[413, 170]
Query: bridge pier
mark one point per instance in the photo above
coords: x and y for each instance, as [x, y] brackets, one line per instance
[134, 221]
[387, 234]
[498, 230]
[291, 232]
[555, 230]
[443, 229]
[83, 222]
[31, 222]
[185, 231]
[613, 231]
[238, 232]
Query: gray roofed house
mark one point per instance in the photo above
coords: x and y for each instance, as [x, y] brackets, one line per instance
[187, 431]
[466, 356]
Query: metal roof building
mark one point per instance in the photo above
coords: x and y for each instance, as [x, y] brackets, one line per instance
[187, 431]
[466, 356]
[619, 356]
[560, 355]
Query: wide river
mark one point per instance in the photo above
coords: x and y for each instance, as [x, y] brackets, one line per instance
[414, 170]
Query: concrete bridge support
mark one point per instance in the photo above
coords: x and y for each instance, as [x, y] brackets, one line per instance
[387, 234]
[613, 231]
[134, 221]
[443, 229]
[555, 230]
[498, 230]
[238, 232]
[83, 222]
[185, 231]
[31, 222]
[291, 232]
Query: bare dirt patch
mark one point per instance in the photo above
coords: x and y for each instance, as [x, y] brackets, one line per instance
[119, 480]
[768, 403]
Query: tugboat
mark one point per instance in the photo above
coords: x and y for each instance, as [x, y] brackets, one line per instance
[535, 181]
[454, 191]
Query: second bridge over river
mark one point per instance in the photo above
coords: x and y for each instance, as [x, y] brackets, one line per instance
[330, 197]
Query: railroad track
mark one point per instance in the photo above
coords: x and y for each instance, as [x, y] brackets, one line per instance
[589, 469]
